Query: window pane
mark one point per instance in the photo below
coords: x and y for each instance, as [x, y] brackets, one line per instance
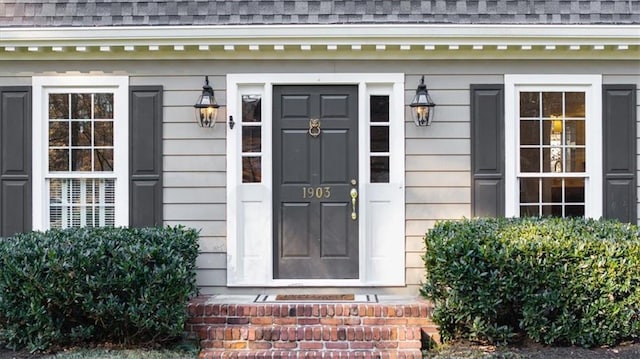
[58, 134]
[251, 170]
[530, 160]
[529, 190]
[574, 190]
[552, 190]
[103, 160]
[379, 169]
[58, 106]
[530, 132]
[529, 211]
[529, 104]
[575, 104]
[552, 132]
[379, 108]
[108, 190]
[379, 139]
[574, 134]
[552, 160]
[251, 141]
[80, 106]
[90, 219]
[103, 135]
[554, 211]
[81, 133]
[552, 104]
[81, 160]
[109, 217]
[58, 160]
[574, 211]
[251, 108]
[103, 107]
[575, 160]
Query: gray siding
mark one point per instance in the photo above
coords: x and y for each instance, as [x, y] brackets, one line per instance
[438, 168]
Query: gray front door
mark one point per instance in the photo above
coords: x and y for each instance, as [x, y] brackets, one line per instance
[315, 171]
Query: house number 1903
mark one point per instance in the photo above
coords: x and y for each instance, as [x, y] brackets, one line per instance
[316, 192]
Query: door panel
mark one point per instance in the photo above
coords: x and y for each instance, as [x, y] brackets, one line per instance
[295, 157]
[295, 226]
[315, 236]
[335, 165]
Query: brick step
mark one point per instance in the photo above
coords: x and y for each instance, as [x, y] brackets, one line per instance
[288, 354]
[310, 330]
[266, 337]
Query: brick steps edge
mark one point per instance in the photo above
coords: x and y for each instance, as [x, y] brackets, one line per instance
[303, 354]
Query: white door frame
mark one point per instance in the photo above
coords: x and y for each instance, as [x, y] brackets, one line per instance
[249, 205]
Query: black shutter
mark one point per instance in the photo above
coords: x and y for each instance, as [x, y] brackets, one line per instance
[15, 160]
[619, 152]
[487, 150]
[145, 156]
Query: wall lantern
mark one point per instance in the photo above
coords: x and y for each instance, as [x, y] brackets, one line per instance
[422, 106]
[206, 106]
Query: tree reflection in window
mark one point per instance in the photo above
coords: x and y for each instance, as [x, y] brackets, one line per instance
[81, 132]
[251, 138]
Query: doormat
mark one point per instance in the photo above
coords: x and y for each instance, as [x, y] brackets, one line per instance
[316, 298]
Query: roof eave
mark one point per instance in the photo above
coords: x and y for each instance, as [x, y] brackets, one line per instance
[176, 41]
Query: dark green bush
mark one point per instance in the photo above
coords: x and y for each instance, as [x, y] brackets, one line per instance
[95, 284]
[557, 281]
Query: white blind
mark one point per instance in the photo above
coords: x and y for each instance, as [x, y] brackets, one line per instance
[81, 202]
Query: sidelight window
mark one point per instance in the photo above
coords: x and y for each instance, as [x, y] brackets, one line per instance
[251, 139]
[379, 138]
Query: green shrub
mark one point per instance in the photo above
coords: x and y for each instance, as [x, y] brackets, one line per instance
[95, 284]
[558, 281]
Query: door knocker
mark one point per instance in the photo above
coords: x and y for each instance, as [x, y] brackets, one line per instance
[314, 127]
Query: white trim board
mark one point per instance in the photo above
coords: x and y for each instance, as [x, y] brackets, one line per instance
[249, 205]
[401, 41]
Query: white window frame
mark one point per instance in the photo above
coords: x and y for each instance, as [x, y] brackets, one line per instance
[249, 240]
[41, 87]
[592, 87]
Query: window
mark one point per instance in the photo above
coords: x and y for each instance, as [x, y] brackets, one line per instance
[80, 152]
[251, 138]
[553, 146]
[379, 138]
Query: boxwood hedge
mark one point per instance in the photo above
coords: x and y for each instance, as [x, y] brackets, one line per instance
[95, 284]
[558, 281]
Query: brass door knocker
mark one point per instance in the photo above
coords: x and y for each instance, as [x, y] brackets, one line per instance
[314, 127]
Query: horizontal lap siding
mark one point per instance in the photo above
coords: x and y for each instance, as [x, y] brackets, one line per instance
[195, 171]
[437, 162]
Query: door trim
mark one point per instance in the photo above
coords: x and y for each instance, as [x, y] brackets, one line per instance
[249, 248]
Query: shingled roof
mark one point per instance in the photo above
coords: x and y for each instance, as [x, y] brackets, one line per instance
[77, 13]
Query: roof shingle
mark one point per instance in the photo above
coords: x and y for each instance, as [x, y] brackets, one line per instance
[75, 13]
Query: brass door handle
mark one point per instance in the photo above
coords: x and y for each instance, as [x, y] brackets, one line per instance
[354, 196]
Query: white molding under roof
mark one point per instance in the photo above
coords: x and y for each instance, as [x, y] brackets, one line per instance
[344, 41]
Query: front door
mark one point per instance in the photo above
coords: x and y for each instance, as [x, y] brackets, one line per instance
[315, 182]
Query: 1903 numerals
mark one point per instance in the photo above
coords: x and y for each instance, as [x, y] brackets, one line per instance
[316, 192]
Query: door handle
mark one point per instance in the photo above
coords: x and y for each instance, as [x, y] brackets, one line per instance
[354, 196]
